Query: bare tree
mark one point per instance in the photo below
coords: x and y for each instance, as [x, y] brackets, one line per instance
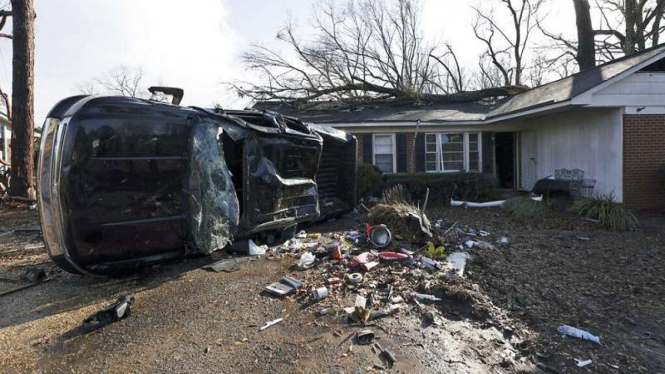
[623, 27]
[506, 44]
[366, 49]
[123, 81]
[23, 62]
[5, 103]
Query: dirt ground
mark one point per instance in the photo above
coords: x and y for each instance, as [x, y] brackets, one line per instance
[501, 319]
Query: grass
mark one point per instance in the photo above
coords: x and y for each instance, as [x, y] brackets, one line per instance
[525, 208]
[611, 215]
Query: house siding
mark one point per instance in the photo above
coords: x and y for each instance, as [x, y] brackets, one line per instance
[643, 152]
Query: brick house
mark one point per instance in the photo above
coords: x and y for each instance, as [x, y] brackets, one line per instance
[608, 121]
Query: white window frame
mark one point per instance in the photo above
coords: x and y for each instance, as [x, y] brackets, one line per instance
[465, 151]
[394, 142]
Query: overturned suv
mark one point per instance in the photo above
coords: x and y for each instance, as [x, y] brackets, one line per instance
[124, 181]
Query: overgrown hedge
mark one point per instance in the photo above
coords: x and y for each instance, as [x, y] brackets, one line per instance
[461, 186]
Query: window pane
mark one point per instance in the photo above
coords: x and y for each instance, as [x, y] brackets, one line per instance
[452, 138]
[453, 165]
[430, 157]
[430, 166]
[474, 164]
[384, 162]
[453, 156]
[473, 138]
[383, 144]
[452, 147]
[430, 138]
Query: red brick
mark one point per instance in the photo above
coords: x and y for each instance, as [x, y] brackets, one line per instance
[643, 152]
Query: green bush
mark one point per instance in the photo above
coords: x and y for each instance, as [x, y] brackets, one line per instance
[611, 215]
[460, 186]
[660, 177]
[525, 208]
[369, 178]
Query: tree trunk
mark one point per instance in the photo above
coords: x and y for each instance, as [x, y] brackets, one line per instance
[630, 15]
[586, 53]
[23, 62]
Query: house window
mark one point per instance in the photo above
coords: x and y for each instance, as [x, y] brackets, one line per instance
[448, 152]
[384, 152]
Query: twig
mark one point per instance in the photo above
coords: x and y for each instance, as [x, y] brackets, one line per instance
[425, 203]
[24, 287]
[450, 228]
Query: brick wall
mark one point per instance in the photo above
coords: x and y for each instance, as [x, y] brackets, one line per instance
[643, 151]
[410, 152]
[359, 139]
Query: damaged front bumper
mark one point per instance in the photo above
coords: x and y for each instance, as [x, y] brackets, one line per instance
[124, 182]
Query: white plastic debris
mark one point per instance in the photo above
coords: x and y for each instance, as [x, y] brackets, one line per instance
[581, 363]
[483, 233]
[271, 323]
[577, 333]
[503, 242]
[257, 250]
[306, 260]
[301, 235]
[469, 204]
[424, 297]
[471, 243]
[456, 261]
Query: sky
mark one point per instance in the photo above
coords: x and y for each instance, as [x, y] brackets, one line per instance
[195, 44]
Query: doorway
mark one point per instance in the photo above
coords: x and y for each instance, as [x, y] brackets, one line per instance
[505, 152]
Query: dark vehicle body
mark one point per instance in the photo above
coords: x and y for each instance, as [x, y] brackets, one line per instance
[124, 181]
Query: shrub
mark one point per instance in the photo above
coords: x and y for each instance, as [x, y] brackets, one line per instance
[525, 208]
[459, 186]
[369, 178]
[611, 215]
[660, 177]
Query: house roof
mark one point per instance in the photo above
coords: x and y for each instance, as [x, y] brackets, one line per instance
[384, 112]
[556, 92]
[574, 85]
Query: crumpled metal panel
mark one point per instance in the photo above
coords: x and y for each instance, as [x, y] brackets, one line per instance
[279, 178]
[213, 203]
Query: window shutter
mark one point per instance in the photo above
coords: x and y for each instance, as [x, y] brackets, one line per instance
[488, 152]
[367, 148]
[420, 153]
[401, 152]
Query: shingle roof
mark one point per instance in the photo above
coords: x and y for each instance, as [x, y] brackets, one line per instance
[571, 86]
[383, 112]
[551, 93]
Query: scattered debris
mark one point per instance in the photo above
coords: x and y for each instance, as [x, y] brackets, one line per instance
[354, 278]
[285, 286]
[24, 287]
[33, 275]
[577, 333]
[119, 310]
[227, 265]
[271, 323]
[365, 337]
[469, 204]
[456, 261]
[320, 293]
[583, 363]
[379, 236]
[424, 297]
[503, 242]
[256, 250]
